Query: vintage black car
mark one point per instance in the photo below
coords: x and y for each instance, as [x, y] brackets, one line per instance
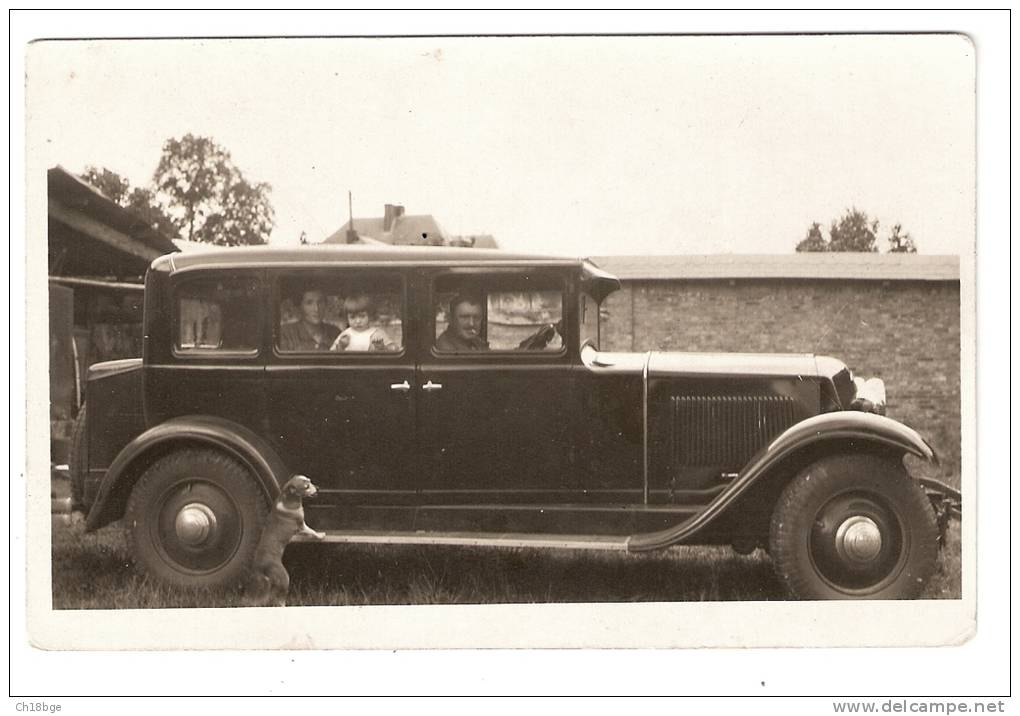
[459, 397]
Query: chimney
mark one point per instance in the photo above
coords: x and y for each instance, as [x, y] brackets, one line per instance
[391, 212]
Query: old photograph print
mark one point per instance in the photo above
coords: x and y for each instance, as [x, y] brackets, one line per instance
[593, 323]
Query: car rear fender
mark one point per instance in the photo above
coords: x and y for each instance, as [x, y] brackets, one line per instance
[854, 430]
[187, 431]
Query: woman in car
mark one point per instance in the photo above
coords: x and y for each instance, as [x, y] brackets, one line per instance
[311, 332]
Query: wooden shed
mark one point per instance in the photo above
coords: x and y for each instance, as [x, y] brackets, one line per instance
[98, 253]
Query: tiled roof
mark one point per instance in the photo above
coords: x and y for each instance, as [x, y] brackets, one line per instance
[877, 267]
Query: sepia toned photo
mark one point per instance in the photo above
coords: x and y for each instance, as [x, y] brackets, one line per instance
[476, 328]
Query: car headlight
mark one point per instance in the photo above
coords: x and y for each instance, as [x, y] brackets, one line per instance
[869, 395]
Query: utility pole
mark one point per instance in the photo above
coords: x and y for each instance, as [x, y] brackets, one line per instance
[352, 235]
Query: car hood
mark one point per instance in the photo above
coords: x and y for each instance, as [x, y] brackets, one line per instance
[713, 364]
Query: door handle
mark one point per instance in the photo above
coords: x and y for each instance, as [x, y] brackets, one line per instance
[402, 387]
[430, 386]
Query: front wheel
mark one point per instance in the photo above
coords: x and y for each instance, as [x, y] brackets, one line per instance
[854, 527]
[194, 519]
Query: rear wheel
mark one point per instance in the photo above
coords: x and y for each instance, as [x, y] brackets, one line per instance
[194, 519]
[854, 527]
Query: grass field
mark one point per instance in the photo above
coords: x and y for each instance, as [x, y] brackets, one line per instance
[94, 571]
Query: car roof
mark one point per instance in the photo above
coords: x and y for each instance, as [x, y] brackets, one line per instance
[318, 255]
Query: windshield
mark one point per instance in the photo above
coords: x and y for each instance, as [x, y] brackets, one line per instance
[589, 311]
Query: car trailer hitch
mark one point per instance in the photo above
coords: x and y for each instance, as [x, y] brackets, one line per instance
[947, 502]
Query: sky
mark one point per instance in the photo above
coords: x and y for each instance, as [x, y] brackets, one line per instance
[564, 145]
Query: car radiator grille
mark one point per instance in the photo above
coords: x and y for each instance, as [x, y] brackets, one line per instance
[726, 430]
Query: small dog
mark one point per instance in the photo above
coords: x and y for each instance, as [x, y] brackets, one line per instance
[269, 581]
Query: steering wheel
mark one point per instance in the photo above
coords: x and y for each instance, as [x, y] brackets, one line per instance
[540, 339]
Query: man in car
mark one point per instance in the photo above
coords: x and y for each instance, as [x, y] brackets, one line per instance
[465, 330]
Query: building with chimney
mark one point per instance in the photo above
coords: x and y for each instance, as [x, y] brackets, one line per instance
[394, 227]
[398, 228]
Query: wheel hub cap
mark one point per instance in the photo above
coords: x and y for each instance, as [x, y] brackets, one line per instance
[194, 523]
[859, 539]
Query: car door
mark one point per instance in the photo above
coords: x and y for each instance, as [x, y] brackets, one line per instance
[211, 360]
[496, 425]
[343, 413]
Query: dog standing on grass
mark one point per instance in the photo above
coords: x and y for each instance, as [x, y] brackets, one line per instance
[270, 583]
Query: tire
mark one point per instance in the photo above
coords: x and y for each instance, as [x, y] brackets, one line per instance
[78, 464]
[194, 519]
[854, 527]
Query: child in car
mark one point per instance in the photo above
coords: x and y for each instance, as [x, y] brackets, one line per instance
[360, 335]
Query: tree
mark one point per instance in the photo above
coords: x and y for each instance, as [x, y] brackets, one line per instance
[853, 232]
[208, 198]
[814, 241]
[901, 243]
[139, 201]
[112, 185]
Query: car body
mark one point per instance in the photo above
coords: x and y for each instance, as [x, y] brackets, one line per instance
[533, 437]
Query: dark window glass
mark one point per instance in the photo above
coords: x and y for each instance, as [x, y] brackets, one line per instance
[216, 315]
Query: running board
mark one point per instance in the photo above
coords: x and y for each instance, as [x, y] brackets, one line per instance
[474, 539]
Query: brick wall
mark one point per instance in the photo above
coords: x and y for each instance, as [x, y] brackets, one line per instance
[905, 332]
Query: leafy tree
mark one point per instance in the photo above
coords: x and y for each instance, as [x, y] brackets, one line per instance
[208, 198]
[137, 200]
[111, 184]
[853, 232]
[143, 203]
[900, 242]
[814, 241]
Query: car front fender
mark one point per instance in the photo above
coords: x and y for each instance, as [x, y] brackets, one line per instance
[864, 430]
[193, 430]
[846, 425]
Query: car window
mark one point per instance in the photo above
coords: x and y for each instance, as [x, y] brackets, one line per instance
[497, 314]
[525, 320]
[214, 315]
[341, 314]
